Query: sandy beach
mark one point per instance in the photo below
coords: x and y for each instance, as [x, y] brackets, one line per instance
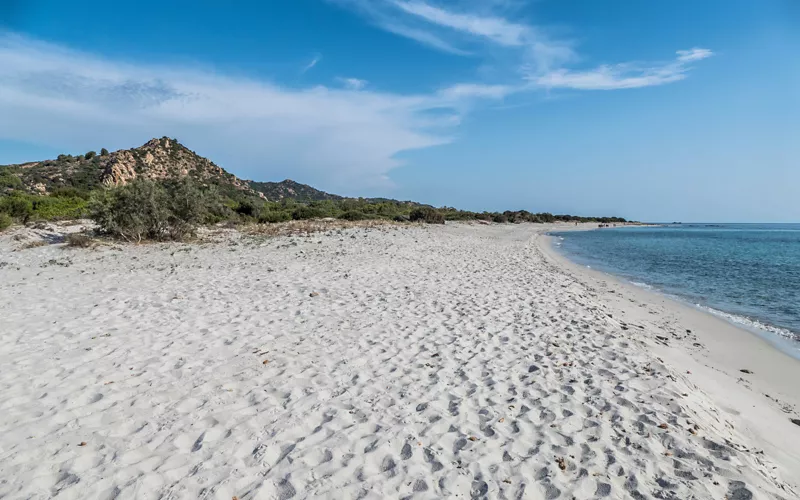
[400, 361]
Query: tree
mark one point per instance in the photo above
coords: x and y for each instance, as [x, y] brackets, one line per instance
[104, 152]
[90, 155]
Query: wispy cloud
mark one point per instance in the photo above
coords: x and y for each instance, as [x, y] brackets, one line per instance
[495, 29]
[464, 32]
[423, 37]
[352, 83]
[542, 60]
[53, 96]
[622, 76]
[314, 61]
[694, 54]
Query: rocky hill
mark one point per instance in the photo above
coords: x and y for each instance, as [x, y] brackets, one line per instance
[158, 159]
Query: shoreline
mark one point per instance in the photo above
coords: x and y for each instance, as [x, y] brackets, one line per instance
[761, 402]
[779, 337]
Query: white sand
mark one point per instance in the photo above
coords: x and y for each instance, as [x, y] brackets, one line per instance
[434, 362]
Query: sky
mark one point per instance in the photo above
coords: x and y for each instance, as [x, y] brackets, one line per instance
[653, 111]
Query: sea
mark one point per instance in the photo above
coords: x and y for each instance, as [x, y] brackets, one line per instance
[748, 274]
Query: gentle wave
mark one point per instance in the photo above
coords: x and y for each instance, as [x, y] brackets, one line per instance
[733, 318]
[746, 274]
[749, 322]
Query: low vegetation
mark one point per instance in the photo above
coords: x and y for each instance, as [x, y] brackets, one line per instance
[153, 205]
[5, 221]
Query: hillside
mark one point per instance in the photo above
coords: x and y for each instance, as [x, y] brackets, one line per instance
[63, 188]
[158, 159]
[289, 189]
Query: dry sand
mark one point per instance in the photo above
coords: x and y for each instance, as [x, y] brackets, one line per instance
[421, 362]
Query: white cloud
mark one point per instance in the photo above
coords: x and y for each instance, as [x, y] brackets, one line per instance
[694, 54]
[338, 137]
[543, 60]
[314, 61]
[622, 76]
[496, 29]
[352, 83]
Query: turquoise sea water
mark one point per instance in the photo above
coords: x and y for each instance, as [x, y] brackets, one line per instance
[747, 273]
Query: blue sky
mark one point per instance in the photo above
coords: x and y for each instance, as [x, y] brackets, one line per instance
[679, 110]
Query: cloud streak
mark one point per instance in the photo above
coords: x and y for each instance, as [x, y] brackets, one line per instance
[494, 29]
[543, 61]
[622, 76]
[314, 61]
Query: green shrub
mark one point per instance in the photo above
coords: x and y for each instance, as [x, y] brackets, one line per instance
[90, 155]
[146, 210]
[310, 212]
[427, 215]
[5, 221]
[58, 207]
[10, 181]
[271, 217]
[103, 152]
[186, 208]
[17, 205]
[354, 215]
[70, 192]
[247, 208]
[500, 218]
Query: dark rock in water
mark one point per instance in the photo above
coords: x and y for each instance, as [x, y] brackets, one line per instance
[745, 370]
[795, 421]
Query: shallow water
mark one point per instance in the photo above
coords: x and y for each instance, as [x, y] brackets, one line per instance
[746, 273]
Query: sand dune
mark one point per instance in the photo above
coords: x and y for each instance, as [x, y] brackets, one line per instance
[418, 362]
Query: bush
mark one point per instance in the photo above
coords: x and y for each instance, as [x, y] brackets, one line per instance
[500, 218]
[354, 215]
[58, 207]
[5, 221]
[310, 212]
[10, 181]
[90, 155]
[272, 217]
[70, 192]
[103, 152]
[146, 210]
[18, 205]
[427, 215]
[247, 208]
[186, 208]
[78, 240]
